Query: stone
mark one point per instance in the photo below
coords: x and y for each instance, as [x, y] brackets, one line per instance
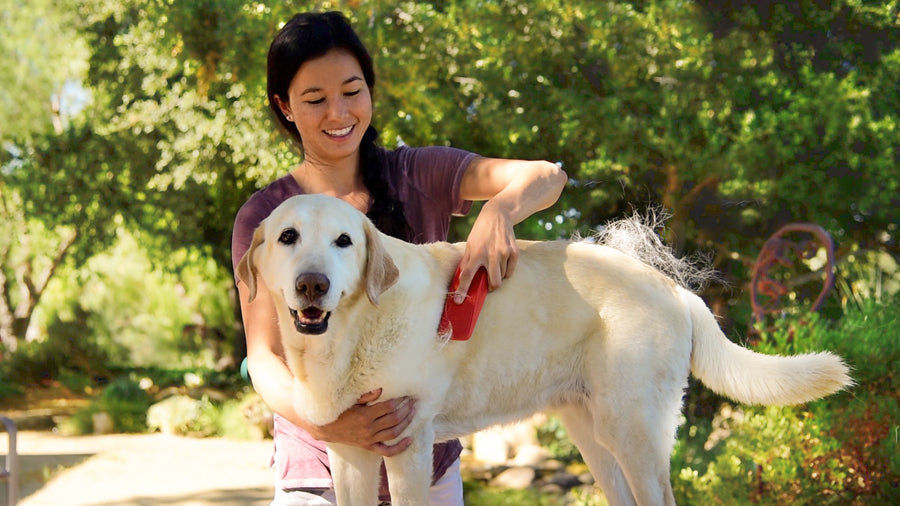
[516, 478]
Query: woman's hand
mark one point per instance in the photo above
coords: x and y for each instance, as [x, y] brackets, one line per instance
[513, 190]
[492, 244]
[370, 426]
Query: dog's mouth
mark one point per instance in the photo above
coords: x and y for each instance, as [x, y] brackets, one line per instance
[311, 320]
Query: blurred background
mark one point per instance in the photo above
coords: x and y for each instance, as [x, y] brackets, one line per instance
[131, 132]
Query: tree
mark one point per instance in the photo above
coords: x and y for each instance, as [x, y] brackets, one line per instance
[42, 58]
[29, 256]
[736, 119]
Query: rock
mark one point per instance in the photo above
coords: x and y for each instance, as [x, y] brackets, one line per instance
[517, 478]
[103, 423]
[490, 447]
[501, 445]
[552, 489]
[553, 465]
[531, 455]
[564, 480]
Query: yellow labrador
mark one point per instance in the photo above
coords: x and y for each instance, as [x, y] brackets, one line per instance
[583, 329]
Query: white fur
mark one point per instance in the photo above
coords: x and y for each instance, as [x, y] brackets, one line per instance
[583, 329]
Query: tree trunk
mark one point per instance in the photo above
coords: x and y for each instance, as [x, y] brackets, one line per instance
[680, 206]
[15, 321]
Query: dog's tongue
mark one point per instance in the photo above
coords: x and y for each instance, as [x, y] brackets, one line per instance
[311, 321]
[311, 316]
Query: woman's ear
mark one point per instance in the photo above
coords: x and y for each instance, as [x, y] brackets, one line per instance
[284, 106]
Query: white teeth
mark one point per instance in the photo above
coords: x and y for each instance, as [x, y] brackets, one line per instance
[341, 132]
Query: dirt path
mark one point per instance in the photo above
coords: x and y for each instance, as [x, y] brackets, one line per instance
[140, 470]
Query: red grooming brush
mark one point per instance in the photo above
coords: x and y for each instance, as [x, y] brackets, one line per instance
[459, 319]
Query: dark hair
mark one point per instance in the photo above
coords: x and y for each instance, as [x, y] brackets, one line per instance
[310, 35]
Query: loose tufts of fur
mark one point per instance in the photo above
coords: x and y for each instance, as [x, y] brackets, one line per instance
[637, 236]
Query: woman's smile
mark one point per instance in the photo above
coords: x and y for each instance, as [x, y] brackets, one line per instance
[342, 132]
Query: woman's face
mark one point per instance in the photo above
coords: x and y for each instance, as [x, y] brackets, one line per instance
[329, 102]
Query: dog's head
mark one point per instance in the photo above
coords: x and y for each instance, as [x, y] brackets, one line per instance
[312, 252]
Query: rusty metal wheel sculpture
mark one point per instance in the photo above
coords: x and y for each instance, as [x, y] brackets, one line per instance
[782, 278]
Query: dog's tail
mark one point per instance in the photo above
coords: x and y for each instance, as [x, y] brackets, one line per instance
[753, 378]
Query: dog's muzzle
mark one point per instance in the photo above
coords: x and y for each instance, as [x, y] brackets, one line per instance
[311, 320]
[311, 286]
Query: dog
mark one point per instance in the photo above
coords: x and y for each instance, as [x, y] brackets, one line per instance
[600, 338]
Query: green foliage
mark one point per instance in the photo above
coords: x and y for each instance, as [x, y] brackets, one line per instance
[552, 435]
[769, 455]
[865, 337]
[172, 314]
[129, 402]
[842, 449]
[477, 494]
[188, 416]
[123, 402]
[70, 350]
[126, 403]
[8, 388]
[42, 57]
[183, 415]
[734, 117]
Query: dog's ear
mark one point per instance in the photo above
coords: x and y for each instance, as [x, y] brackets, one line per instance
[381, 272]
[246, 269]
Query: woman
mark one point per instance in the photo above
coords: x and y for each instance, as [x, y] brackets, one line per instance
[320, 79]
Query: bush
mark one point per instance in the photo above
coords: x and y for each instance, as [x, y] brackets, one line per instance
[68, 353]
[773, 455]
[552, 435]
[122, 401]
[842, 449]
[183, 415]
[242, 417]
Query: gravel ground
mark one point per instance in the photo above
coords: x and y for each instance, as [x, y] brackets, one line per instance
[140, 470]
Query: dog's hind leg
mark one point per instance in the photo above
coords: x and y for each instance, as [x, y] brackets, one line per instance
[641, 437]
[355, 472]
[580, 425]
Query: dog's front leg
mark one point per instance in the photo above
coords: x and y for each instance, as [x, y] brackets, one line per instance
[409, 473]
[355, 473]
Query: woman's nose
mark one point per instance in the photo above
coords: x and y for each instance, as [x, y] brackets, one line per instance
[337, 108]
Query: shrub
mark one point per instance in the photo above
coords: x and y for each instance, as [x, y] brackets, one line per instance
[842, 449]
[68, 353]
[773, 455]
[182, 415]
[552, 435]
[123, 401]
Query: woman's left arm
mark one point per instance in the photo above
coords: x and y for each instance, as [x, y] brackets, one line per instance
[514, 190]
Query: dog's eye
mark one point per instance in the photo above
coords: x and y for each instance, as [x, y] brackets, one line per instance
[343, 241]
[288, 236]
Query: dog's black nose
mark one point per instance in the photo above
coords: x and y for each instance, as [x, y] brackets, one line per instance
[312, 284]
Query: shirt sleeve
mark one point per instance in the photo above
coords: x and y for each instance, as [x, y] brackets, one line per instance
[437, 172]
[427, 180]
[245, 223]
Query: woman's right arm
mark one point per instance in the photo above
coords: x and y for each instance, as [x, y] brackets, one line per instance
[364, 425]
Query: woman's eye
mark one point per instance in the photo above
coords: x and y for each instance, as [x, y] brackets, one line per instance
[343, 241]
[352, 93]
[288, 236]
[316, 101]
